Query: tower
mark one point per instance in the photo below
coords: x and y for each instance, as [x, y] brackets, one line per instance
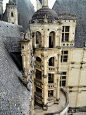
[46, 37]
[12, 12]
[1, 7]
[47, 31]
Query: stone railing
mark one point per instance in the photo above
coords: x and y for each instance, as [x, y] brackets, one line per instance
[64, 110]
[51, 69]
[51, 85]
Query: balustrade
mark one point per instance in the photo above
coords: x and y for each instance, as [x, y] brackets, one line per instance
[51, 69]
[51, 85]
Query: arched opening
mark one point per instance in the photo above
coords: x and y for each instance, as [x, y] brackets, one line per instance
[38, 38]
[52, 39]
[38, 59]
[12, 14]
[51, 61]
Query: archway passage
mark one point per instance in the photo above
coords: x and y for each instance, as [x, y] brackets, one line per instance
[51, 61]
[52, 39]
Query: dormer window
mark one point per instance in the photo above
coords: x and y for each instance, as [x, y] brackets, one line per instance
[65, 33]
[12, 14]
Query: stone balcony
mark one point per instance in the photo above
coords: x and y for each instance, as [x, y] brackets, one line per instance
[55, 109]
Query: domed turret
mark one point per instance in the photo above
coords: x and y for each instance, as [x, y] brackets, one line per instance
[45, 14]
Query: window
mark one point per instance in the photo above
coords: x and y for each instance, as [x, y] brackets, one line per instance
[65, 33]
[38, 38]
[11, 14]
[52, 39]
[64, 56]
[63, 79]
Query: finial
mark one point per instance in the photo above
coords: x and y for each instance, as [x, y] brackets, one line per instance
[45, 3]
[45, 18]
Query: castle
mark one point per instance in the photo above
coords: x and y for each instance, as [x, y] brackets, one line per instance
[53, 57]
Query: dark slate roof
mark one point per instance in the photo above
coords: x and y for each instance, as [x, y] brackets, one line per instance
[14, 97]
[25, 12]
[43, 13]
[77, 7]
[11, 34]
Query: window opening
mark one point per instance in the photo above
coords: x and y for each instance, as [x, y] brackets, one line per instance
[63, 79]
[11, 14]
[65, 33]
[64, 56]
[52, 40]
[51, 61]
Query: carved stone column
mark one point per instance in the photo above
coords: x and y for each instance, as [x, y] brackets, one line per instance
[45, 85]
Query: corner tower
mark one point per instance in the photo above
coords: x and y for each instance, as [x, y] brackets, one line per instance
[46, 34]
[12, 12]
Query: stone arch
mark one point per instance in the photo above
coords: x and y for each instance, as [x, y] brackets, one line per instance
[52, 39]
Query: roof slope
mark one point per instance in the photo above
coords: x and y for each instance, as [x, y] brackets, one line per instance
[11, 34]
[14, 97]
[77, 7]
[26, 11]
